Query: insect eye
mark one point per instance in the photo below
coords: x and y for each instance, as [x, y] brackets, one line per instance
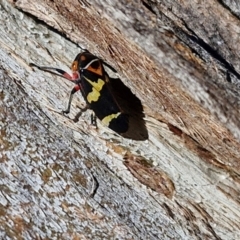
[75, 66]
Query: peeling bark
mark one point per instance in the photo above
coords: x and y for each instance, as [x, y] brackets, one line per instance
[66, 180]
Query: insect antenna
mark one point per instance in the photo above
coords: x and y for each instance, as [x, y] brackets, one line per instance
[55, 71]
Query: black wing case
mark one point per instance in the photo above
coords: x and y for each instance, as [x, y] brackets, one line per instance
[102, 101]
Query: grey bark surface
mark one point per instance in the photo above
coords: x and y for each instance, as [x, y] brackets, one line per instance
[66, 180]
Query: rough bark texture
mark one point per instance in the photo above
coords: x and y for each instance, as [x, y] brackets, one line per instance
[66, 180]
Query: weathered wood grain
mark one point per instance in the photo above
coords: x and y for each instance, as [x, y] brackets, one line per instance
[62, 180]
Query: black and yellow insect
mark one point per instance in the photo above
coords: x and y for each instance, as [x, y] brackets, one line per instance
[111, 101]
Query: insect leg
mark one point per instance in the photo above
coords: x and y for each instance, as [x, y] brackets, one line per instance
[76, 118]
[94, 120]
[74, 90]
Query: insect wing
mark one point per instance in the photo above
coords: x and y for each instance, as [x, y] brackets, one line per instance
[101, 100]
[131, 106]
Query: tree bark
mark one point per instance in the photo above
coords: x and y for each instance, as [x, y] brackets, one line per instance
[66, 180]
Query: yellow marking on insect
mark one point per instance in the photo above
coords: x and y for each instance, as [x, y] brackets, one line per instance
[94, 95]
[106, 121]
